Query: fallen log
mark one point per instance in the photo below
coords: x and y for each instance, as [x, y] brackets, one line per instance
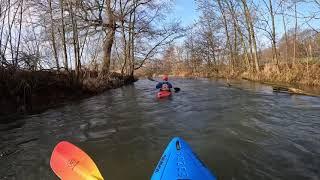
[280, 89]
[291, 90]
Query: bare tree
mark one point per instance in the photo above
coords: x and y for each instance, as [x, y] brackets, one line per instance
[75, 39]
[53, 38]
[251, 32]
[109, 39]
[238, 30]
[272, 32]
[295, 33]
[228, 43]
[20, 31]
[63, 35]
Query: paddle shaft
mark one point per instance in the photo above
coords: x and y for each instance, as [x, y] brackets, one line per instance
[84, 173]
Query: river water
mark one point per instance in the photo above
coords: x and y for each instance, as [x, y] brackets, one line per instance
[241, 132]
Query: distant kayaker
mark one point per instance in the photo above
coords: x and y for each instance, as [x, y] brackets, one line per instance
[165, 85]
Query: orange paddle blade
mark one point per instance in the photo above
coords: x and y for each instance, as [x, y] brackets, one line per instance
[70, 163]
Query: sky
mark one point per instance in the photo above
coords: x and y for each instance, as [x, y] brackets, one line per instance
[186, 11]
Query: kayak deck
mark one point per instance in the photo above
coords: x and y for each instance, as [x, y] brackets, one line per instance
[162, 94]
[180, 162]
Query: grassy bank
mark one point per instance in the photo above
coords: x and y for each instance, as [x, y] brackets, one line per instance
[302, 76]
[298, 75]
[29, 91]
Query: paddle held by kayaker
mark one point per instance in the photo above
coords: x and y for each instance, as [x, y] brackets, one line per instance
[164, 85]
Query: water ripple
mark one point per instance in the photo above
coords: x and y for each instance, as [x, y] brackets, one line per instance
[240, 132]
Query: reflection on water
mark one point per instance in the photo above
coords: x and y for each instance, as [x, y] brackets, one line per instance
[240, 132]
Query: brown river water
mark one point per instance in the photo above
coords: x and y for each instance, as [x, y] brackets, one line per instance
[241, 132]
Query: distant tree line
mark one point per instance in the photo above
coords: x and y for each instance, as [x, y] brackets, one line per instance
[250, 36]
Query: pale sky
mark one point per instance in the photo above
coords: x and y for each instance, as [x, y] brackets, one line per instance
[185, 10]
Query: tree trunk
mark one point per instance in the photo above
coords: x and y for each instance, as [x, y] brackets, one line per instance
[2, 58]
[251, 34]
[64, 43]
[295, 35]
[235, 44]
[124, 38]
[76, 46]
[10, 31]
[235, 29]
[286, 38]
[238, 29]
[20, 27]
[274, 42]
[227, 33]
[255, 55]
[108, 42]
[247, 14]
[53, 39]
[132, 39]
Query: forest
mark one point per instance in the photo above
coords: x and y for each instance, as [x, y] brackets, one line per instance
[53, 49]
[260, 40]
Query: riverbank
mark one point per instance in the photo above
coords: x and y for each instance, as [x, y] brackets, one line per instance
[298, 79]
[305, 78]
[33, 91]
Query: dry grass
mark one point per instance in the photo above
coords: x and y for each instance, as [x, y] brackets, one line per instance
[299, 74]
[102, 81]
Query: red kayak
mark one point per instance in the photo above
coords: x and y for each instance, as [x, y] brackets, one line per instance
[162, 94]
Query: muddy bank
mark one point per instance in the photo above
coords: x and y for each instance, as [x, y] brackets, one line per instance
[29, 92]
